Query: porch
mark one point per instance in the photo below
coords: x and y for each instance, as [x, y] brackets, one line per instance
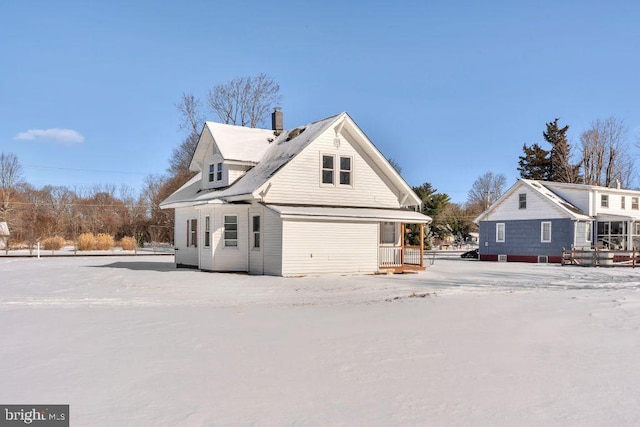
[400, 258]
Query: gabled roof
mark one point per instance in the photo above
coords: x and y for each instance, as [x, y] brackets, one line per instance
[547, 194]
[277, 154]
[237, 143]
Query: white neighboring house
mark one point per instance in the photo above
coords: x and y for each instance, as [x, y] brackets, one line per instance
[4, 235]
[319, 198]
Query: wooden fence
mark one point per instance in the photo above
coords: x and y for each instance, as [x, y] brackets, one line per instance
[596, 257]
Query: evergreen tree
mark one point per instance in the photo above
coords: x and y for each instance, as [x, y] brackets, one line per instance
[535, 163]
[561, 169]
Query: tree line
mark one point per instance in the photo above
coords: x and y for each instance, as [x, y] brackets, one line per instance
[602, 157]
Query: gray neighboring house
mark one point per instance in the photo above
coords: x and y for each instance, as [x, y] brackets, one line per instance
[534, 220]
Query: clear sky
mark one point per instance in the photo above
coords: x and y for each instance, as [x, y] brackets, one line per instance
[450, 90]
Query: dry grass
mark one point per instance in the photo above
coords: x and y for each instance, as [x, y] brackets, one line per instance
[53, 243]
[128, 243]
[86, 242]
[104, 242]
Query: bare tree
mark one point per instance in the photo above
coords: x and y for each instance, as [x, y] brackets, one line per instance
[10, 175]
[190, 109]
[245, 101]
[486, 189]
[605, 154]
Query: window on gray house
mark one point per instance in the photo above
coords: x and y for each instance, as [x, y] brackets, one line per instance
[545, 231]
[500, 237]
[522, 201]
[211, 171]
[219, 172]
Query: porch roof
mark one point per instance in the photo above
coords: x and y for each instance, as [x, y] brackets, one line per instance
[351, 214]
[614, 217]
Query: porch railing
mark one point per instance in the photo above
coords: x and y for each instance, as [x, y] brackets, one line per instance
[412, 255]
[392, 256]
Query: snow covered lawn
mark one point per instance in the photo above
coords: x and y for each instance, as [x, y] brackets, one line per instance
[133, 341]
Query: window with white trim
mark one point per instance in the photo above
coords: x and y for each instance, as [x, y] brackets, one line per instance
[545, 231]
[623, 202]
[207, 231]
[522, 201]
[604, 200]
[231, 231]
[634, 203]
[587, 231]
[256, 231]
[500, 232]
[192, 232]
[346, 166]
[219, 172]
[211, 172]
[328, 168]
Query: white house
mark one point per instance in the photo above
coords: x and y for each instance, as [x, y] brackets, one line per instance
[319, 198]
[534, 220]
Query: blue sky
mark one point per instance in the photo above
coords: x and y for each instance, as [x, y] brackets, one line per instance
[450, 90]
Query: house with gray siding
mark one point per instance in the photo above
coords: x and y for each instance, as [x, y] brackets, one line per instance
[534, 220]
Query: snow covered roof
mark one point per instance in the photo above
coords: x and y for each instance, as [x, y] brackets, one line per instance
[540, 188]
[279, 152]
[362, 214]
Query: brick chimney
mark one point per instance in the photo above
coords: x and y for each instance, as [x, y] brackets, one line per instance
[276, 121]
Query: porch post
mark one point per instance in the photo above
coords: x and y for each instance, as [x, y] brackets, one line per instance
[402, 244]
[421, 245]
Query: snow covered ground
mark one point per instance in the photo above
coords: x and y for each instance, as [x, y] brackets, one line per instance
[133, 341]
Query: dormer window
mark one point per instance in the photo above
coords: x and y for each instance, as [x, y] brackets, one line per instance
[219, 172]
[211, 172]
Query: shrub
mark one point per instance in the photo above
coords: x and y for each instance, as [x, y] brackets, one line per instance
[104, 242]
[53, 243]
[128, 243]
[86, 242]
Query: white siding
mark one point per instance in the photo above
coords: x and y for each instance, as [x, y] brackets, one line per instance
[329, 247]
[234, 172]
[230, 258]
[299, 181]
[272, 243]
[538, 207]
[186, 255]
[256, 255]
[213, 159]
[576, 196]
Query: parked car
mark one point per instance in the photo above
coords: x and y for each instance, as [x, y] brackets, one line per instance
[471, 254]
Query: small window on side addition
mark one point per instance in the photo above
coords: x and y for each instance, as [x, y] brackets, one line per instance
[604, 201]
[522, 201]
